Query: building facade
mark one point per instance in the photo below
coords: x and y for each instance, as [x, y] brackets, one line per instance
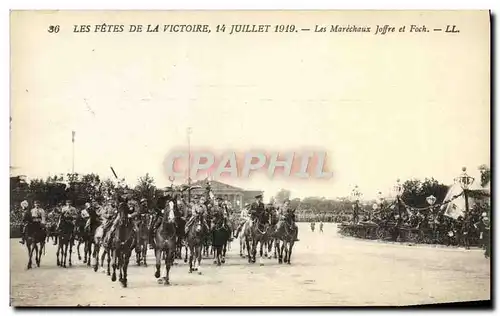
[237, 196]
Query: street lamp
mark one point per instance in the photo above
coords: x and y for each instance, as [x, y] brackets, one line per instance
[398, 189]
[465, 182]
[431, 199]
[189, 130]
[355, 196]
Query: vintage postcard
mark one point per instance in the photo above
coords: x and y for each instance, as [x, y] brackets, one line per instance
[250, 158]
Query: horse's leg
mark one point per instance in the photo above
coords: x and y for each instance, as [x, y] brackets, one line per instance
[198, 267]
[105, 251]
[78, 250]
[42, 250]
[191, 254]
[64, 251]
[254, 249]
[126, 261]
[35, 247]
[29, 245]
[114, 264]
[290, 252]
[224, 249]
[168, 261]
[262, 249]
[158, 256]
[59, 251]
[186, 256]
[282, 246]
[95, 256]
[242, 247]
[145, 251]
[277, 250]
[249, 253]
[107, 254]
[138, 254]
[70, 252]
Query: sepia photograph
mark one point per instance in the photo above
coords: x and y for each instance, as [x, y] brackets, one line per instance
[250, 158]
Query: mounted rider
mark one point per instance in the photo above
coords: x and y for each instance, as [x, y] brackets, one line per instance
[68, 211]
[286, 212]
[25, 212]
[244, 217]
[131, 208]
[107, 214]
[89, 212]
[219, 210]
[156, 218]
[199, 212]
[257, 209]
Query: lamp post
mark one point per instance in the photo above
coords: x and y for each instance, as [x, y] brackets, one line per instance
[465, 182]
[398, 189]
[380, 199]
[189, 131]
[375, 208]
[355, 196]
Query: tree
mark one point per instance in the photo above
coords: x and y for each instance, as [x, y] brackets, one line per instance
[485, 175]
[146, 188]
[282, 195]
[416, 192]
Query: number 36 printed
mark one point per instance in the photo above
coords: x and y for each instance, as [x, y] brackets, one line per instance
[53, 29]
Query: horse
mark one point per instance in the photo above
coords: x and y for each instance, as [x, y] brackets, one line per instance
[123, 241]
[258, 230]
[195, 238]
[89, 233]
[220, 237]
[100, 240]
[66, 237]
[181, 237]
[81, 236]
[141, 248]
[285, 239]
[35, 235]
[165, 243]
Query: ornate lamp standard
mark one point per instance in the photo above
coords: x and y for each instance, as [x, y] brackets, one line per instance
[398, 189]
[375, 208]
[465, 182]
[355, 197]
[431, 200]
[188, 132]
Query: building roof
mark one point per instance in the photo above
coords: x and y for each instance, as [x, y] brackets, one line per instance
[217, 186]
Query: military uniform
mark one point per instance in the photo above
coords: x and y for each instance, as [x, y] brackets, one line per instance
[199, 211]
[25, 211]
[286, 211]
[244, 217]
[132, 209]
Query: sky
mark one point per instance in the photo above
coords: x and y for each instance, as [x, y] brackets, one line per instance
[382, 107]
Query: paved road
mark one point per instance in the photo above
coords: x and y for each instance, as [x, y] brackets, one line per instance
[326, 269]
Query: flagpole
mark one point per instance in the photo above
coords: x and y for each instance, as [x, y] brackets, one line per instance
[73, 152]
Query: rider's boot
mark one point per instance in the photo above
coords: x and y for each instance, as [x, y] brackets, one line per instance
[296, 232]
[23, 229]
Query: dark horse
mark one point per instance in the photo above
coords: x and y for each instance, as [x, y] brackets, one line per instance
[195, 238]
[35, 236]
[165, 239]
[141, 248]
[66, 237]
[89, 233]
[258, 232]
[220, 236]
[285, 238]
[181, 239]
[122, 243]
